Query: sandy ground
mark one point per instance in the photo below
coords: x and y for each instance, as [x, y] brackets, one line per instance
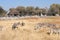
[27, 31]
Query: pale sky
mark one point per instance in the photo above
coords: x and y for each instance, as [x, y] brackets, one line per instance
[6, 4]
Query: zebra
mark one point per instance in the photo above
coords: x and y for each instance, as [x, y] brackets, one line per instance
[39, 25]
[54, 29]
[15, 25]
[22, 24]
[51, 25]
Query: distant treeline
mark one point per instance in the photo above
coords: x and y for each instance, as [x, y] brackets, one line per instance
[53, 10]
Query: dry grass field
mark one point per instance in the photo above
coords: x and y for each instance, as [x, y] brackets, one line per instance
[27, 31]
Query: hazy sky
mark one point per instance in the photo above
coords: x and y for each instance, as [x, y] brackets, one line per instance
[6, 4]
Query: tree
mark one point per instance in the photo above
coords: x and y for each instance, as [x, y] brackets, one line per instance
[54, 9]
[2, 12]
[13, 12]
[21, 10]
[30, 10]
[37, 11]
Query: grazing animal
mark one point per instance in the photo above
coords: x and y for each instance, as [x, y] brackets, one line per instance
[38, 26]
[51, 25]
[55, 31]
[22, 23]
[15, 25]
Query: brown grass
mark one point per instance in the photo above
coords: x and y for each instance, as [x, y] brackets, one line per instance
[27, 32]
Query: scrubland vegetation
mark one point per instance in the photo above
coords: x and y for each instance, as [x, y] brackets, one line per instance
[53, 10]
[33, 28]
